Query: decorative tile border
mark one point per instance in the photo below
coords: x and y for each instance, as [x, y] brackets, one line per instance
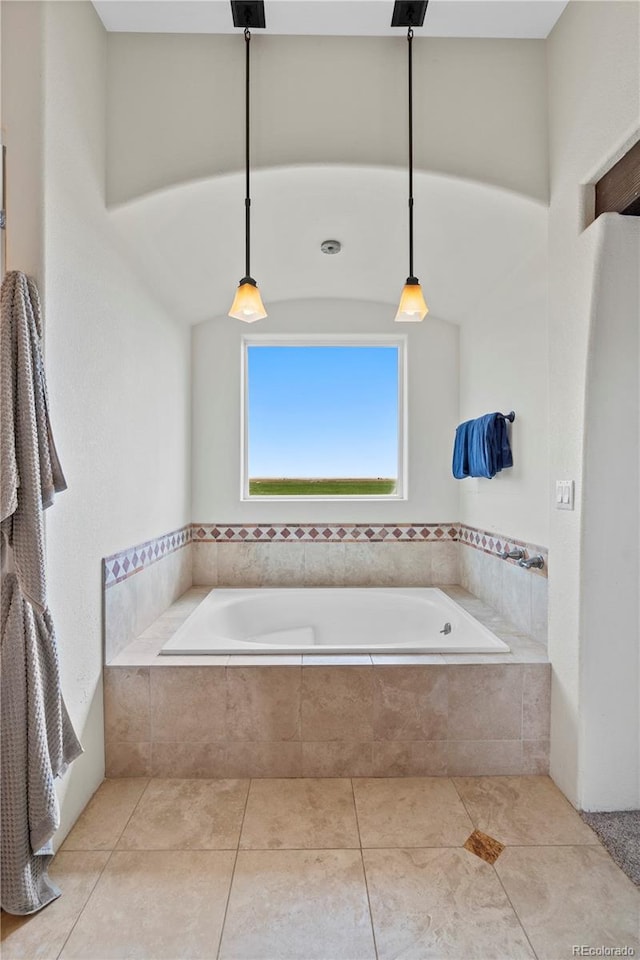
[121, 566]
[322, 532]
[495, 544]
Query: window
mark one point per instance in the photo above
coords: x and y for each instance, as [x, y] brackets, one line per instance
[323, 418]
[618, 191]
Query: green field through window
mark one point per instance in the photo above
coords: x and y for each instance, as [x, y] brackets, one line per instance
[318, 487]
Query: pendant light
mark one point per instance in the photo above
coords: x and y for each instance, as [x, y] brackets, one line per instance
[247, 304]
[412, 307]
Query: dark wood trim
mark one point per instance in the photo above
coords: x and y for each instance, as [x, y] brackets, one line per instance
[618, 191]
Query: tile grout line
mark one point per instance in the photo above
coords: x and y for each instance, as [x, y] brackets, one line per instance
[493, 867]
[233, 872]
[300, 716]
[106, 863]
[422, 846]
[135, 807]
[515, 912]
[364, 869]
[522, 722]
[553, 846]
[452, 780]
[150, 702]
[86, 903]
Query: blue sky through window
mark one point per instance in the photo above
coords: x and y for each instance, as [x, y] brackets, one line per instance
[316, 411]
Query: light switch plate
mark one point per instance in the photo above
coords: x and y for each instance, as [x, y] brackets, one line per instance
[565, 494]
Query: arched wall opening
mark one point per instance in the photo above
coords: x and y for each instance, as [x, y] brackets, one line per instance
[188, 240]
[480, 254]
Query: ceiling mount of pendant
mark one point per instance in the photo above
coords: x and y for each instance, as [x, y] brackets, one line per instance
[331, 246]
[409, 13]
[248, 13]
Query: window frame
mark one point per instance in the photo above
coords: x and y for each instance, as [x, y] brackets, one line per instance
[326, 340]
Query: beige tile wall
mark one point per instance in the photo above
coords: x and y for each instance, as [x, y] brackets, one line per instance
[289, 721]
[519, 595]
[131, 605]
[404, 564]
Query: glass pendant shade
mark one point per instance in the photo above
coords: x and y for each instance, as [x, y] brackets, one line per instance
[247, 304]
[412, 307]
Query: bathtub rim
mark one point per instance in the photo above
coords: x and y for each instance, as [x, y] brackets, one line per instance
[238, 648]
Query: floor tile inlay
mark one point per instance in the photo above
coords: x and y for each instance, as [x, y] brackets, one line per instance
[484, 846]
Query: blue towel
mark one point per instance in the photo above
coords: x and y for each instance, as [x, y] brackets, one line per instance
[481, 447]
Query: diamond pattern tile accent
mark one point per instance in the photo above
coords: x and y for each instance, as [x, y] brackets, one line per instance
[330, 533]
[128, 562]
[495, 544]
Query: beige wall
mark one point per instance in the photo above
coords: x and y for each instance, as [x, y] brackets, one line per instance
[594, 115]
[117, 365]
[175, 107]
[22, 110]
[503, 366]
[432, 355]
[610, 632]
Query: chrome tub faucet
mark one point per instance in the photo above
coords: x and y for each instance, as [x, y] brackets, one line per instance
[515, 554]
[537, 561]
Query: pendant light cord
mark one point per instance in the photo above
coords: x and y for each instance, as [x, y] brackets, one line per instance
[247, 199]
[410, 43]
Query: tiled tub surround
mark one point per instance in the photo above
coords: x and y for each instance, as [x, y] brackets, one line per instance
[406, 555]
[521, 596]
[311, 715]
[325, 555]
[125, 564]
[140, 583]
[305, 715]
[414, 563]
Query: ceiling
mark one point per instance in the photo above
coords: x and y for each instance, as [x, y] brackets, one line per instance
[187, 242]
[528, 19]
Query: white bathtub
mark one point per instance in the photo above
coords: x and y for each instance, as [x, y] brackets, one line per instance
[331, 620]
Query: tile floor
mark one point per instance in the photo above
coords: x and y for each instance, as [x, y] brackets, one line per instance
[330, 869]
